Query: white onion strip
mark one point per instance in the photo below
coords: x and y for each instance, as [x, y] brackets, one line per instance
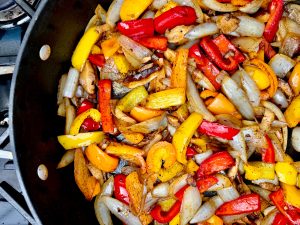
[113, 12]
[202, 30]
[220, 7]
[251, 7]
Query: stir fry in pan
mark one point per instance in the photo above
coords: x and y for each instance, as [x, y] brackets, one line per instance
[178, 112]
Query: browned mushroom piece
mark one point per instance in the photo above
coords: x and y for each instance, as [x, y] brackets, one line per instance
[227, 23]
[87, 78]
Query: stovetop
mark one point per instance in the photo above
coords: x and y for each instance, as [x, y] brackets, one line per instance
[14, 19]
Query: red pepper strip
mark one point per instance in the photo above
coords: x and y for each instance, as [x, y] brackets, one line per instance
[280, 220]
[104, 105]
[179, 15]
[206, 183]
[120, 191]
[165, 217]
[268, 155]
[97, 59]
[243, 204]
[268, 49]
[85, 105]
[217, 130]
[206, 66]
[90, 125]
[137, 28]
[215, 163]
[225, 46]
[276, 11]
[158, 42]
[215, 55]
[190, 152]
[287, 210]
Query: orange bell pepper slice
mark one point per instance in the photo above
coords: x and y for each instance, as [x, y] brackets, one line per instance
[141, 114]
[100, 159]
[221, 105]
[135, 191]
[208, 93]
[179, 73]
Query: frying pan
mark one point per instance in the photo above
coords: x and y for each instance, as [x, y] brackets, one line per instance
[34, 124]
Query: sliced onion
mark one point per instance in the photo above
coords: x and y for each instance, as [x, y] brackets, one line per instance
[194, 4]
[190, 204]
[279, 152]
[148, 126]
[71, 83]
[113, 12]
[202, 30]
[262, 192]
[269, 219]
[149, 14]
[247, 44]
[101, 13]
[279, 124]
[238, 143]
[138, 51]
[269, 210]
[196, 102]
[237, 96]
[70, 115]
[207, 210]
[102, 212]
[61, 86]
[278, 113]
[229, 120]
[199, 158]
[275, 181]
[251, 7]
[291, 25]
[281, 64]
[178, 183]
[171, 129]
[108, 187]
[66, 159]
[161, 190]
[254, 137]
[223, 182]
[228, 194]
[149, 202]
[250, 27]
[250, 87]
[220, 7]
[296, 139]
[233, 218]
[157, 4]
[120, 210]
[280, 99]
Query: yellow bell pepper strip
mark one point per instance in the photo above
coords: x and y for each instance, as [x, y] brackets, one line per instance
[182, 112]
[208, 94]
[294, 79]
[291, 194]
[135, 191]
[298, 181]
[271, 75]
[167, 204]
[121, 149]
[133, 138]
[161, 154]
[191, 167]
[179, 71]
[201, 143]
[221, 105]
[166, 99]
[96, 50]
[81, 139]
[142, 114]
[286, 173]
[215, 220]
[165, 175]
[292, 113]
[170, 4]
[100, 159]
[259, 170]
[85, 45]
[86, 183]
[183, 135]
[175, 220]
[92, 113]
[259, 77]
[132, 9]
[121, 62]
[110, 46]
[132, 99]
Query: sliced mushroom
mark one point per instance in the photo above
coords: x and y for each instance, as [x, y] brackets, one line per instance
[227, 23]
[110, 71]
[176, 35]
[87, 78]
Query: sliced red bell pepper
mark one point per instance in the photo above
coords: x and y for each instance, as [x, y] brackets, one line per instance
[215, 55]
[215, 163]
[290, 212]
[179, 15]
[104, 105]
[206, 182]
[85, 105]
[190, 152]
[244, 204]
[268, 155]
[137, 28]
[205, 65]
[225, 46]
[218, 130]
[157, 42]
[276, 11]
[120, 191]
[268, 49]
[280, 220]
[90, 125]
[165, 217]
[97, 59]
